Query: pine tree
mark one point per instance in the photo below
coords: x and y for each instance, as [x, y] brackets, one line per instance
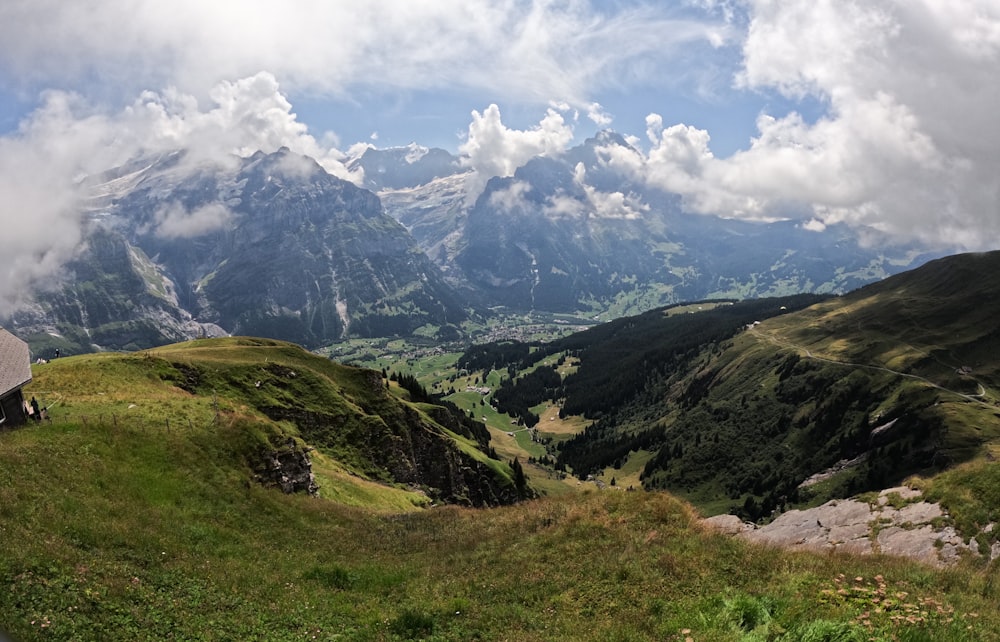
[520, 482]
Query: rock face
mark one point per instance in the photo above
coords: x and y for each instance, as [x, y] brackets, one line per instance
[913, 530]
[403, 167]
[424, 458]
[289, 469]
[269, 245]
[402, 447]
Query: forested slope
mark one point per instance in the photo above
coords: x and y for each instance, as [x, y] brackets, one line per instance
[759, 405]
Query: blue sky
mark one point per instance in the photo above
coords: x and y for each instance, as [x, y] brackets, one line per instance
[880, 114]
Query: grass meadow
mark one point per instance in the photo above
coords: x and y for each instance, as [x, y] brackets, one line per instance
[117, 524]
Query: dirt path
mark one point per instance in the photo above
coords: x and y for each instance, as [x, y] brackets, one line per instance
[977, 398]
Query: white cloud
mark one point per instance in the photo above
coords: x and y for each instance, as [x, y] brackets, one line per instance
[615, 204]
[39, 218]
[608, 204]
[174, 221]
[909, 141]
[248, 115]
[511, 198]
[530, 50]
[492, 149]
[564, 206]
[814, 225]
[67, 139]
[598, 115]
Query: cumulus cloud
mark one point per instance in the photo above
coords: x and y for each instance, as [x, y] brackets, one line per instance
[907, 144]
[491, 149]
[247, 115]
[43, 163]
[615, 204]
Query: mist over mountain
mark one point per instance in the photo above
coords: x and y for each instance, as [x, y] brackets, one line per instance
[577, 232]
[268, 245]
[180, 246]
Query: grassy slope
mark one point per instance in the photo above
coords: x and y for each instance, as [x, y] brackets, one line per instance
[118, 527]
[137, 534]
[909, 347]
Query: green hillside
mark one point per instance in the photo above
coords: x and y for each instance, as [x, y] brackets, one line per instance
[132, 531]
[851, 394]
[275, 396]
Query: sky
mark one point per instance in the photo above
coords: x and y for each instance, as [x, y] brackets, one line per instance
[881, 114]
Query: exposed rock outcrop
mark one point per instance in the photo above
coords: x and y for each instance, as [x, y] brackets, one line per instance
[916, 529]
[289, 469]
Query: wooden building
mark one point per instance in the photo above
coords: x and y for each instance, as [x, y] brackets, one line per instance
[15, 373]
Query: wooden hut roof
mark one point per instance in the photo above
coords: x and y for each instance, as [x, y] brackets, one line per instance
[15, 362]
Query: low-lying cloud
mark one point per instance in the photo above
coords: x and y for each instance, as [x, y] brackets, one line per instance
[174, 221]
[43, 165]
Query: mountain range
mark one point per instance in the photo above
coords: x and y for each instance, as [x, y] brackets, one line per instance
[272, 245]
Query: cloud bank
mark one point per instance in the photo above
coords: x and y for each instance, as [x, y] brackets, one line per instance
[534, 50]
[908, 144]
[65, 140]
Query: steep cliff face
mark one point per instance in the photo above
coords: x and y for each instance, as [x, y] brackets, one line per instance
[392, 441]
[424, 457]
[113, 297]
[269, 245]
